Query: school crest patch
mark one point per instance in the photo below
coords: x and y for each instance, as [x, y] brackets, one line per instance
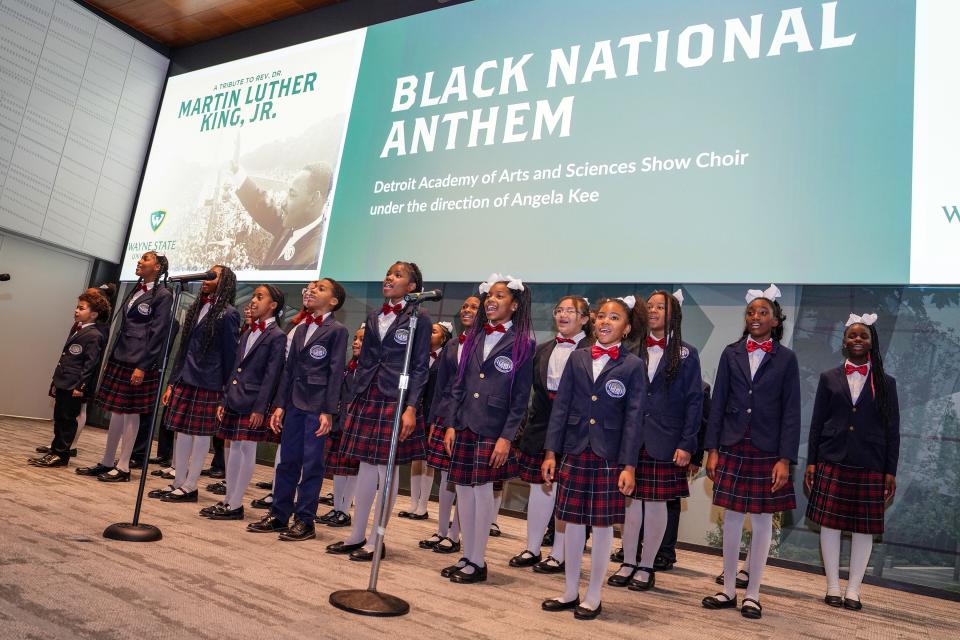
[143, 309]
[76, 349]
[503, 364]
[684, 352]
[401, 336]
[318, 352]
[615, 388]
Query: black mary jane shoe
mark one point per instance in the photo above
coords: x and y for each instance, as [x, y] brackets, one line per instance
[159, 493]
[495, 531]
[852, 605]
[833, 601]
[114, 475]
[362, 555]
[525, 559]
[48, 461]
[549, 566]
[183, 496]
[742, 583]
[217, 488]
[447, 545]
[430, 542]
[446, 572]
[301, 530]
[267, 524]
[94, 471]
[582, 613]
[266, 486]
[643, 585]
[262, 503]
[228, 514]
[340, 519]
[661, 563]
[553, 605]
[479, 574]
[419, 516]
[617, 580]
[206, 512]
[719, 601]
[341, 548]
[325, 500]
[753, 612]
[617, 556]
[325, 517]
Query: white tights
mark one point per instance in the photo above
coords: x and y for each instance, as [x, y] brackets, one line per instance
[861, 545]
[240, 465]
[475, 508]
[575, 540]
[759, 550]
[652, 517]
[190, 452]
[123, 428]
[369, 478]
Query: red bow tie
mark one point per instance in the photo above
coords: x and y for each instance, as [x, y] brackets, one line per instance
[462, 338]
[387, 308]
[434, 354]
[597, 351]
[309, 320]
[561, 340]
[205, 300]
[488, 329]
[352, 365]
[75, 327]
[766, 346]
[141, 287]
[653, 342]
[258, 326]
[849, 369]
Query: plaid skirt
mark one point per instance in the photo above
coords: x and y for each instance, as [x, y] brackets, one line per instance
[117, 395]
[588, 491]
[334, 462]
[470, 462]
[236, 426]
[743, 481]
[437, 457]
[529, 466]
[659, 480]
[847, 498]
[369, 427]
[192, 411]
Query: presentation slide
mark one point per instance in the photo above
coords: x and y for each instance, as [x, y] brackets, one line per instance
[562, 141]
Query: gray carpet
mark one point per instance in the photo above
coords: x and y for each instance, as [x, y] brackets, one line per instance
[60, 579]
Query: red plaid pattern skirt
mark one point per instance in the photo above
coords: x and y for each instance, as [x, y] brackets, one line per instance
[334, 462]
[588, 491]
[847, 498]
[369, 427]
[117, 395]
[437, 457]
[470, 462]
[658, 480]
[743, 481]
[236, 426]
[192, 411]
[529, 466]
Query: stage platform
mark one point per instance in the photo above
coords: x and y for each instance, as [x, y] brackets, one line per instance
[59, 578]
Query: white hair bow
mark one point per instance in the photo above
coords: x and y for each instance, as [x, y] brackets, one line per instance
[678, 294]
[446, 325]
[489, 282]
[630, 301]
[866, 319]
[771, 293]
[514, 283]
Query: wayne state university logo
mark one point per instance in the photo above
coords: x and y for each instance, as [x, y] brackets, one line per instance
[156, 218]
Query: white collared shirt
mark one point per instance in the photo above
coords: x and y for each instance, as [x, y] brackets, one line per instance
[252, 336]
[490, 341]
[83, 326]
[558, 360]
[601, 362]
[313, 328]
[654, 354]
[755, 357]
[856, 381]
[138, 293]
[384, 321]
[203, 312]
[460, 348]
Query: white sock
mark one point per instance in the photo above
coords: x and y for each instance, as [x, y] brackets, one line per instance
[415, 468]
[601, 542]
[367, 479]
[485, 501]
[575, 540]
[349, 489]
[497, 501]
[243, 458]
[746, 561]
[81, 423]
[539, 512]
[445, 507]
[654, 526]
[762, 526]
[456, 527]
[860, 549]
[381, 478]
[558, 552]
[181, 458]
[131, 424]
[338, 484]
[467, 510]
[426, 487]
[732, 531]
[226, 453]
[830, 549]
[231, 471]
[198, 454]
[630, 537]
[114, 434]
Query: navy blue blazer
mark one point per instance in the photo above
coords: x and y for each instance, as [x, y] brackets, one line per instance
[441, 405]
[383, 360]
[491, 396]
[697, 458]
[212, 369]
[313, 375]
[605, 414]
[143, 328]
[538, 414]
[769, 404]
[80, 361]
[255, 377]
[430, 389]
[673, 413]
[853, 434]
[346, 394]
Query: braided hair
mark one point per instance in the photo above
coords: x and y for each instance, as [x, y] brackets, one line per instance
[776, 332]
[878, 378]
[671, 325]
[225, 294]
[415, 274]
[524, 343]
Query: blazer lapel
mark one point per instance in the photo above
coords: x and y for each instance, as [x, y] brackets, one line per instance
[322, 329]
[610, 366]
[253, 347]
[840, 379]
[504, 344]
[744, 360]
[767, 357]
[545, 363]
[660, 365]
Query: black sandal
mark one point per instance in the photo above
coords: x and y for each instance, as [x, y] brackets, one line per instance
[753, 612]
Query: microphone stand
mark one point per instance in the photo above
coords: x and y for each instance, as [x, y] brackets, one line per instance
[136, 531]
[369, 601]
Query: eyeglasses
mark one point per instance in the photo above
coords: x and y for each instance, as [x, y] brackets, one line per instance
[566, 311]
[307, 290]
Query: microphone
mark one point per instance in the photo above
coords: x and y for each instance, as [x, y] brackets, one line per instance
[4, 277]
[194, 277]
[423, 296]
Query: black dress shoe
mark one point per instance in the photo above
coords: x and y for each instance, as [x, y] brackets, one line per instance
[228, 514]
[617, 556]
[73, 453]
[362, 555]
[136, 464]
[341, 548]
[159, 493]
[163, 462]
[525, 559]
[550, 565]
[268, 486]
[341, 519]
[42, 449]
[555, 605]
[301, 530]
[430, 542]
[447, 545]
[267, 524]
[183, 496]
[206, 512]
[719, 601]
[582, 613]
[217, 488]
[479, 574]
[420, 516]
[446, 572]
[327, 499]
[114, 475]
[661, 563]
[617, 580]
[49, 460]
[852, 605]
[833, 601]
[643, 585]
[262, 503]
[94, 471]
[753, 612]
[404, 514]
[217, 474]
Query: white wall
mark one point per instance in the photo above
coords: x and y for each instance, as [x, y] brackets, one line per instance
[36, 312]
